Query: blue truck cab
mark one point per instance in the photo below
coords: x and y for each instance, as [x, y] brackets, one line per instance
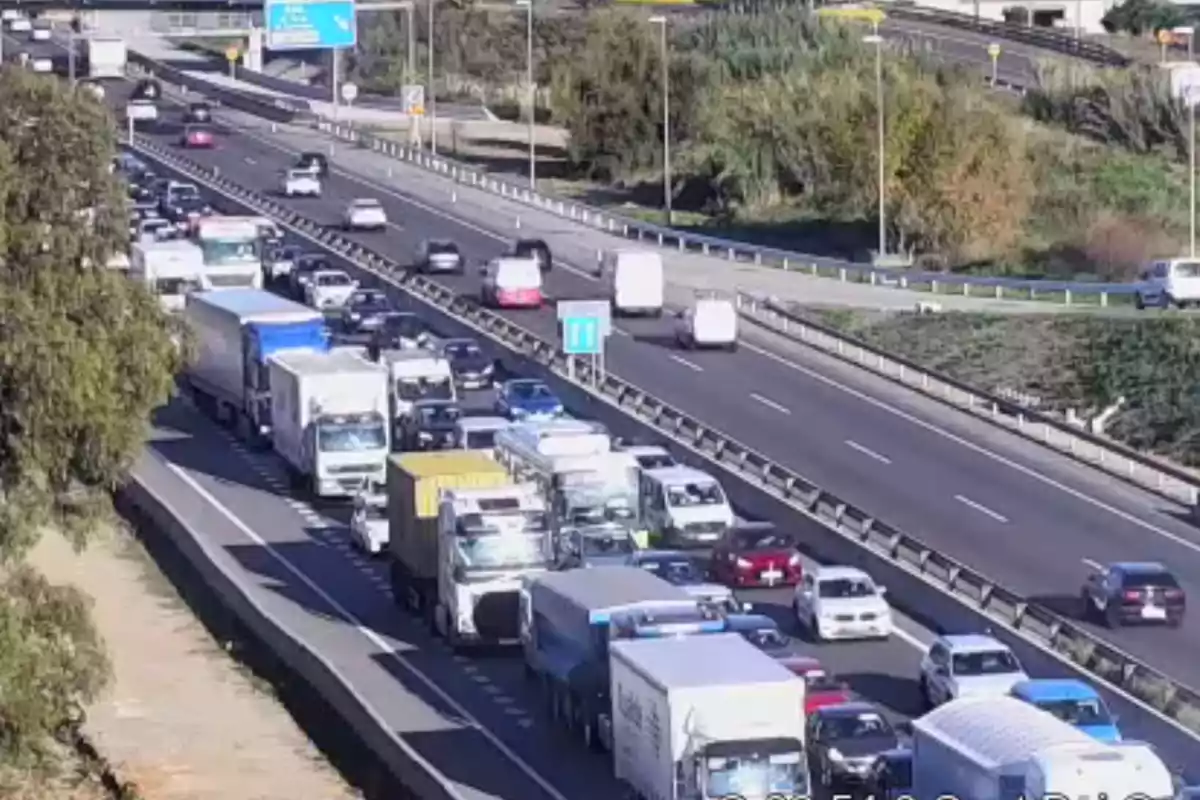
[567, 620]
[234, 332]
[1074, 702]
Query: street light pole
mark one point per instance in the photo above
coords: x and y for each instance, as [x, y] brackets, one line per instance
[431, 100]
[877, 40]
[411, 31]
[666, 111]
[530, 88]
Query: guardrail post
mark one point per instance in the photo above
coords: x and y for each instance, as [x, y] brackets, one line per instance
[1067, 297]
[933, 287]
[841, 274]
[1104, 299]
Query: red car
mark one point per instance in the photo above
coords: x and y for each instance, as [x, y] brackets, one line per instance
[195, 136]
[746, 557]
[821, 688]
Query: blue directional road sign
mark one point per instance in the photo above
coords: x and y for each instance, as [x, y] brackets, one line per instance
[581, 336]
[310, 24]
[585, 324]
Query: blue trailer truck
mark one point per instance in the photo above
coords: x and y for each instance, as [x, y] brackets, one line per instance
[233, 333]
[567, 620]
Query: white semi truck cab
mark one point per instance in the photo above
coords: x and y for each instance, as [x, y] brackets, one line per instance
[490, 540]
[329, 420]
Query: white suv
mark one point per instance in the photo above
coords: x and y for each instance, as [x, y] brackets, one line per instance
[842, 603]
[972, 665]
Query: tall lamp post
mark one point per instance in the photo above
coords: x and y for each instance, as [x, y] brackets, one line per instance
[531, 89]
[877, 40]
[431, 99]
[666, 111]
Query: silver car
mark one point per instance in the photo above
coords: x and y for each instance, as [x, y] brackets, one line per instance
[369, 523]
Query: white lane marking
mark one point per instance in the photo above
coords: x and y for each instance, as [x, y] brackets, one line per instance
[868, 452]
[375, 640]
[681, 360]
[620, 331]
[769, 403]
[981, 508]
[250, 160]
[1028, 472]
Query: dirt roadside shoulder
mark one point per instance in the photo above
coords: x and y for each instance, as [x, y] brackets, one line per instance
[181, 719]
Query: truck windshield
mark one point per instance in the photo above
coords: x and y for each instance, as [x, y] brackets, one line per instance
[424, 389]
[511, 541]
[756, 776]
[346, 436]
[230, 252]
[686, 495]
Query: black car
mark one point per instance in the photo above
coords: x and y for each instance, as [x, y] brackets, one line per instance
[302, 272]
[366, 310]
[148, 89]
[430, 425]
[1130, 592]
[197, 112]
[400, 330]
[185, 209]
[844, 741]
[535, 249]
[314, 162]
[471, 367]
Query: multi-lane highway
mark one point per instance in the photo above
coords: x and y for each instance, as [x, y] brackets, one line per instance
[338, 601]
[1002, 506]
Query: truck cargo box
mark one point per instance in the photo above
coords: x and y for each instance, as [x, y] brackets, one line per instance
[415, 482]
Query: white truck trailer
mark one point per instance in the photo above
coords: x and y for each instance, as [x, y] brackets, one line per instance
[329, 421]
[234, 332]
[169, 270]
[706, 717]
[106, 57]
[996, 748]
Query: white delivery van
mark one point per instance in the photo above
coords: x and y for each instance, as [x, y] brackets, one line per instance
[634, 279]
[683, 507]
[1171, 281]
[710, 322]
[512, 283]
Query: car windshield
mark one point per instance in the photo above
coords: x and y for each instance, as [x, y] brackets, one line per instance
[985, 662]
[366, 204]
[604, 544]
[868, 724]
[660, 461]
[461, 349]
[1158, 580]
[768, 639]
[439, 414]
[846, 588]
[334, 279]
[681, 572]
[818, 680]
[369, 300]
[529, 390]
[182, 192]
[284, 254]
[424, 389]
[312, 263]
[529, 249]
[480, 440]
[695, 494]
[300, 174]
[765, 541]
[1079, 712]
[443, 248]
[404, 326]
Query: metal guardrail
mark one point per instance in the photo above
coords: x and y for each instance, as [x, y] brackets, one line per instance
[1054, 292]
[1158, 475]
[1064, 292]
[175, 23]
[1036, 36]
[869, 537]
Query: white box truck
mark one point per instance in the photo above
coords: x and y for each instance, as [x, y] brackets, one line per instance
[706, 717]
[106, 58]
[996, 748]
[169, 270]
[234, 332]
[329, 421]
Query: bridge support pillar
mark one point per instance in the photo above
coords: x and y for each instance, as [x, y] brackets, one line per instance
[252, 59]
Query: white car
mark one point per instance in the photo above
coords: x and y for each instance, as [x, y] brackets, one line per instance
[971, 665]
[40, 33]
[279, 262]
[364, 215]
[842, 603]
[141, 111]
[20, 24]
[369, 523]
[42, 65]
[301, 183]
[329, 288]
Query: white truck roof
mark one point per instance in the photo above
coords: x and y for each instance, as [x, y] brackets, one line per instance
[674, 476]
[717, 659]
[998, 730]
[331, 363]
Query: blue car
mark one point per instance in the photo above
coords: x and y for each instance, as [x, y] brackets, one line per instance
[1074, 702]
[527, 399]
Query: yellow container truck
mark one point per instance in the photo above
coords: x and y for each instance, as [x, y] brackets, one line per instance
[462, 536]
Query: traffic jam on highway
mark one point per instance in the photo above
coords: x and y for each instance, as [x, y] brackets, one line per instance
[624, 580]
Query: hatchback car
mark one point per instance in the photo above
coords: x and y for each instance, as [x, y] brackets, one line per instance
[748, 557]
